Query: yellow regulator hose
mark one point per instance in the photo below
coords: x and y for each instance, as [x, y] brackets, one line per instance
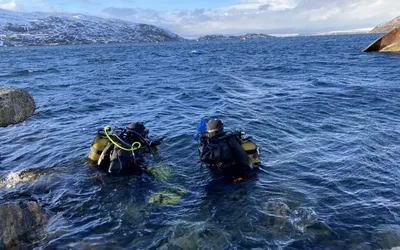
[135, 146]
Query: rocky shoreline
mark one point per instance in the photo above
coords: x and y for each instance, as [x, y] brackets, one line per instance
[19, 220]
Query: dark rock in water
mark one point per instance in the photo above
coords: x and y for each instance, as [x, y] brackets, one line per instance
[390, 42]
[18, 220]
[16, 105]
[200, 235]
[387, 27]
[387, 236]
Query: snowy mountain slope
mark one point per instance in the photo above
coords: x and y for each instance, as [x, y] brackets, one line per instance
[388, 26]
[27, 29]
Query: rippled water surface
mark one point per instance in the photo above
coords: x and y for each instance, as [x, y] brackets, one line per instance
[326, 116]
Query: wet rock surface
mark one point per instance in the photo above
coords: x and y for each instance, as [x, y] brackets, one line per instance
[16, 105]
[18, 220]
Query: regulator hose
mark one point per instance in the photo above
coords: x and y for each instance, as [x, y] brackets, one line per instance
[135, 146]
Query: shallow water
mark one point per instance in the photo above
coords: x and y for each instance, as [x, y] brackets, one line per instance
[325, 115]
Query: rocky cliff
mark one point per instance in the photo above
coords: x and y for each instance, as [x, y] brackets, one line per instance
[27, 29]
[389, 42]
[387, 27]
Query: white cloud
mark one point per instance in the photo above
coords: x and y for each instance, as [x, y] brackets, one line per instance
[8, 6]
[269, 16]
[273, 5]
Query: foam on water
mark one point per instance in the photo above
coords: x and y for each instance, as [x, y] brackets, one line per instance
[23, 176]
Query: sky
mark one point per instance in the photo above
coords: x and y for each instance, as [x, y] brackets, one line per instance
[195, 18]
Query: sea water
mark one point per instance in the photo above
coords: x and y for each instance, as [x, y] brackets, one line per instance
[325, 115]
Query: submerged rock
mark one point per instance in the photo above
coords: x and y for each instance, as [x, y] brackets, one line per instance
[18, 220]
[16, 105]
[200, 235]
[387, 236]
[390, 42]
[159, 171]
[169, 196]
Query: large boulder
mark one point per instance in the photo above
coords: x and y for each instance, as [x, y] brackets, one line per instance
[16, 105]
[18, 220]
[390, 42]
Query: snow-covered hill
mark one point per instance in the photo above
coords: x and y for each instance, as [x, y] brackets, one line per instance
[27, 29]
[388, 26]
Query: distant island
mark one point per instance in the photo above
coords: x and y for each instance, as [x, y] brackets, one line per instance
[32, 29]
[242, 37]
[388, 26]
[345, 32]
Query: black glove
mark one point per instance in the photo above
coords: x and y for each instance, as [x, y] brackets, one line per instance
[155, 142]
[203, 135]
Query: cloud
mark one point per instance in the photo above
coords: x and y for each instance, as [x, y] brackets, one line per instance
[122, 12]
[269, 16]
[8, 6]
[272, 5]
[137, 15]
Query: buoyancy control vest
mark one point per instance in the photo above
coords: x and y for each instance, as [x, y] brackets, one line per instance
[251, 149]
[123, 154]
[227, 153]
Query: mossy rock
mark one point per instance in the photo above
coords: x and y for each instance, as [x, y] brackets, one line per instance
[169, 196]
[159, 171]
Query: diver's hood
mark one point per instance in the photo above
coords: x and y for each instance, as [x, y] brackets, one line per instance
[215, 127]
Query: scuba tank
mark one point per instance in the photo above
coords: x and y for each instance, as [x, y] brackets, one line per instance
[252, 151]
[98, 145]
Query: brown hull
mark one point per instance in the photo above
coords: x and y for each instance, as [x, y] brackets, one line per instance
[387, 43]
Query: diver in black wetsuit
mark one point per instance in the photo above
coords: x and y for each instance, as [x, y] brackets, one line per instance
[119, 160]
[223, 153]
